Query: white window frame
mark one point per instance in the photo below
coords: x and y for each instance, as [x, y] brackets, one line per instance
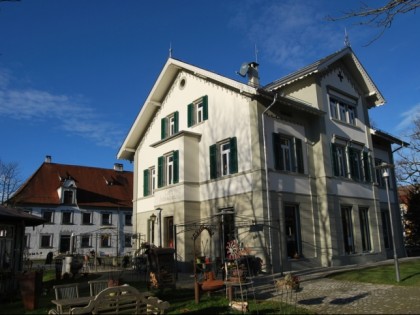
[50, 240]
[152, 180]
[71, 221]
[109, 222]
[43, 211]
[342, 110]
[169, 169]
[224, 158]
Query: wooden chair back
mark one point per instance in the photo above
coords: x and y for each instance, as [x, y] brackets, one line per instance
[97, 286]
[66, 291]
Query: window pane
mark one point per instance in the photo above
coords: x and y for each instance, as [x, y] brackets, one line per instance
[224, 157]
[67, 218]
[365, 229]
[347, 230]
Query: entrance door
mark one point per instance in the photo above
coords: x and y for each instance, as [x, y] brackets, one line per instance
[227, 229]
[64, 243]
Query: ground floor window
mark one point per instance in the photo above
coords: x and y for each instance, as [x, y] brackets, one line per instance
[346, 217]
[169, 231]
[365, 229]
[292, 225]
[46, 240]
[386, 228]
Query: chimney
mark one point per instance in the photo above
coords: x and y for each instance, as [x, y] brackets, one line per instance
[253, 77]
[47, 159]
[118, 167]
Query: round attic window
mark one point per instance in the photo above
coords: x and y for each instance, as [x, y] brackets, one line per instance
[182, 83]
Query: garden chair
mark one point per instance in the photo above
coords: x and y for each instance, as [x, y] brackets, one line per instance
[97, 286]
[66, 291]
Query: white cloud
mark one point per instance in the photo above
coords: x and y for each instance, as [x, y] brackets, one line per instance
[72, 115]
[288, 33]
[408, 117]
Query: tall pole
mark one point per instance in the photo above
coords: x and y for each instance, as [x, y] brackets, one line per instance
[270, 240]
[385, 174]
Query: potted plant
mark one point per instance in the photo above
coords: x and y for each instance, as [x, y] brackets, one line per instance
[290, 281]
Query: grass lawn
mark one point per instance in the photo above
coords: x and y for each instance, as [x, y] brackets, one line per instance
[409, 274]
[181, 300]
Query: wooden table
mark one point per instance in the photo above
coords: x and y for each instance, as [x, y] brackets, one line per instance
[69, 303]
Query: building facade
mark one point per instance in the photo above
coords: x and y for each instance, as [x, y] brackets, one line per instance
[85, 208]
[287, 169]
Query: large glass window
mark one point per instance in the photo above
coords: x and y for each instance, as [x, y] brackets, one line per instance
[365, 229]
[343, 111]
[348, 237]
[339, 160]
[288, 153]
[168, 169]
[292, 224]
[223, 158]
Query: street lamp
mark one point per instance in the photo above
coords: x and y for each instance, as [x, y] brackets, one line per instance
[153, 220]
[385, 168]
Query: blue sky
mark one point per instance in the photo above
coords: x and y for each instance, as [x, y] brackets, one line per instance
[74, 74]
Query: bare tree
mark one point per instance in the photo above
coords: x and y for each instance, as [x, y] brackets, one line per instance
[380, 17]
[408, 161]
[9, 180]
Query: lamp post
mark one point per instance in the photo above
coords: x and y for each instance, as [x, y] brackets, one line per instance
[160, 226]
[385, 168]
[153, 220]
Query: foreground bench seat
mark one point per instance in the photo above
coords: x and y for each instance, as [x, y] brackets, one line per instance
[123, 299]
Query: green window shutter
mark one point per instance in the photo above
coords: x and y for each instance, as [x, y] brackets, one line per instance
[205, 107]
[146, 183]
[160, 171]
[233, 158]
[299, 156]
[176, 166]
[163, 128]
[276, 150]
[190, 114]
[176, 124]
[334, 159]
[213, 161]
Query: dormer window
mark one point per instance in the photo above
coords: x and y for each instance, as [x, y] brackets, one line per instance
[68, 197]
[67, 192]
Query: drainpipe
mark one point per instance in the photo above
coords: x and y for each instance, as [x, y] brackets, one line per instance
[266, 186]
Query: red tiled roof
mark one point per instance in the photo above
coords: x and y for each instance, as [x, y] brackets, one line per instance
[96, 187]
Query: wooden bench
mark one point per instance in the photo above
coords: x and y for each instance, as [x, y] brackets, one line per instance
[122, 300]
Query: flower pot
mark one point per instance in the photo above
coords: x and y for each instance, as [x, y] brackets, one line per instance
[30, 284]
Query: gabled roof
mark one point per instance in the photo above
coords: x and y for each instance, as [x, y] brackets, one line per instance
[353, 65]
[8, 214]
[382, 135]
[96, 187]
[158, 93]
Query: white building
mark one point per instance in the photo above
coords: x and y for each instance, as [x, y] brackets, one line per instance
[206, 147]
[86, 209]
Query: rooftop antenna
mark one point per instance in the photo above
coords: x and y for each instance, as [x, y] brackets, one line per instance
[346, 38]
[170, 50]
[256, 53]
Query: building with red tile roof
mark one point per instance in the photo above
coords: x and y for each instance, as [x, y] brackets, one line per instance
[86, 208]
